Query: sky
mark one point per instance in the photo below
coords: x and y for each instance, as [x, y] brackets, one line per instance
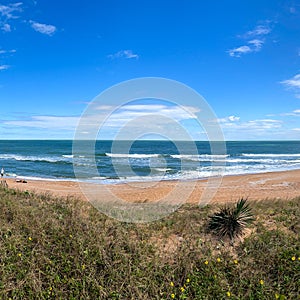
[243, 57]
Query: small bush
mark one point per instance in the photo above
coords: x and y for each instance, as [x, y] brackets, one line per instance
[231, 221]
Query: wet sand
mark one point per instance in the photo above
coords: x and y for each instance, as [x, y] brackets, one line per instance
[275, 185]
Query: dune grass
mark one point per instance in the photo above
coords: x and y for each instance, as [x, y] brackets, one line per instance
[52, 248]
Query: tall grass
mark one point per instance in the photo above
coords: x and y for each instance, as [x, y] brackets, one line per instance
[53, 248]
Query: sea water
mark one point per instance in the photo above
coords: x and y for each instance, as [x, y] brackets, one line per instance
[144, 160]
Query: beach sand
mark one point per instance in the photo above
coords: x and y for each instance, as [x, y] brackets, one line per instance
[283, 185]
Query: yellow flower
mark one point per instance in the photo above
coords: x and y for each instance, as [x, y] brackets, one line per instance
[261, 282]
[19, 254]
[171, 283]
[293, 258]
[188, 280]
[172, 296]
[206, 262]
[277, 296]
[235, 261]
[182, 289]
[218, 259]
[83, 267]
[299, 258]
[50, 288]
[71, 235]
[30, 239]
[228, 294]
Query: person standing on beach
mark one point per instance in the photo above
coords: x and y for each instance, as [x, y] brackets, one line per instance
[2, 172]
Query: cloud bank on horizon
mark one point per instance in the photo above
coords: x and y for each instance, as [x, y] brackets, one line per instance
[247, 67]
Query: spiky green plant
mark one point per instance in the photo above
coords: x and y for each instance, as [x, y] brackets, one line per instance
[231, 221]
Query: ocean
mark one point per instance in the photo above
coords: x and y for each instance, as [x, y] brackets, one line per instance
[145, 160]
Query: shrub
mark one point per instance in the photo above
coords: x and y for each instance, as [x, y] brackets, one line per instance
[230, 221]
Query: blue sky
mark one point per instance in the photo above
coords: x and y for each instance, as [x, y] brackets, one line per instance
[243, 57]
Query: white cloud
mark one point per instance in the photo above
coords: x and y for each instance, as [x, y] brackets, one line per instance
[8, 51]
[293, 82]
[104, 107]
[258, 31]
[4, 67]
[295, 113]
[254, 40]
[228, 119]
[124, 54]
[233, 118]
[237, 52]
[4, 53]
[256, 43]
[130, 118]
[43, 28]
[6, 27]
[46, 122]
[7, 11]
[258, 129]
[233, 122]
[124, 114]
[120, 116]
[263, 124]
[254, 46]
[10, 12]
[296, 129]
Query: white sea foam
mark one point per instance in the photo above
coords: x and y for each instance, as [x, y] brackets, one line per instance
[270, 155]
[11, 174]
[36, 178]
[193, 166]
[262, 160]
[33, 158]
[68, 156]
[201, 157]
[121, 155]
[163, 169]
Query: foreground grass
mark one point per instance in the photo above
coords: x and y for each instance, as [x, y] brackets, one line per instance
[64, 249]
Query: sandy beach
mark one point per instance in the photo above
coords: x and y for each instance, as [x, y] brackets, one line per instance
[284, 185]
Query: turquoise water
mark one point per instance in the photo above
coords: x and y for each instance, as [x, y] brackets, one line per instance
[145, 160]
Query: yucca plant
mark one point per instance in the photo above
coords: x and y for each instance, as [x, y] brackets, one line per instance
[231, 221]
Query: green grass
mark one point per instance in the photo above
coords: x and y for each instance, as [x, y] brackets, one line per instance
[52, 248]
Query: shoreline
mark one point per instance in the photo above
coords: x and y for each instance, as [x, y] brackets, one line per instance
[123, 181]
[258, 186]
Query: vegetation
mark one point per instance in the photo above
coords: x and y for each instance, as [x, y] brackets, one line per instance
[230, 221]
[54, 248]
